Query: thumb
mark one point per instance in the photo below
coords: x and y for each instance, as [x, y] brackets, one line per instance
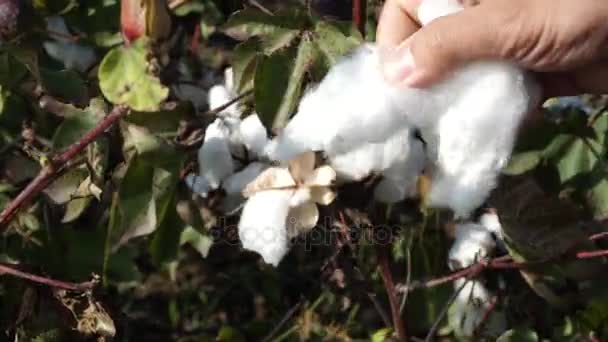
[433, 52]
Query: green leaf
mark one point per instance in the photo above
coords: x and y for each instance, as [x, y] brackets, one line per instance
[244, 61]
[136, 202]
[165, 244]
[11, 71]
[518, 335]
[124, 78]
[278, 83]
[333, 42]
[252, 22]
[201, 243]
[597, 198]
[65, 84]
[151, 148]
[82, 197]
[64, 188]
[521, 163]
[382, 335]
[77, 122]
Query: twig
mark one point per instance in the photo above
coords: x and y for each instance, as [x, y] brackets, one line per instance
[10, 270]
[176, 3]
[486, 315]
[408, 277]
[360, 15]
[389, 285]
[216, 111]
[56, 164]
[261, 7]
[591, 254]
[288, 315]
[433, 331]
[505, 262]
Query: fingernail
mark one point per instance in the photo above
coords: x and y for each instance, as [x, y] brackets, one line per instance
[397, 64]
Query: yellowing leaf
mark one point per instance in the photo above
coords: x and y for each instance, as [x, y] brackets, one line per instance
[124, 78]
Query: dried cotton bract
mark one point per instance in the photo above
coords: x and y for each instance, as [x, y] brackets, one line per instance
[281, 205]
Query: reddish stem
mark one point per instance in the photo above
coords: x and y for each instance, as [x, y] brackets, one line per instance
[389, 285]
[6, 269]
[591, 254]
[360, 15]
[57, 163]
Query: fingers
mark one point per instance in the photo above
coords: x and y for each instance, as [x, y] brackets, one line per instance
[485, 31]
[396, 22]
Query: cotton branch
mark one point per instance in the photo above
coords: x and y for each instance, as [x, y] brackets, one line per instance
[389, 285]
[360, 14]
[11, 270]
[56, 165]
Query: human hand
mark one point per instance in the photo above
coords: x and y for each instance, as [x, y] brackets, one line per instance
[564, 41]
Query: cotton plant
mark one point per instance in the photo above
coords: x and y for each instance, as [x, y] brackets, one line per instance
[469, 314]
[226, 136]
[73, 55]
[457, 118]
[474, 241]
[282, 204]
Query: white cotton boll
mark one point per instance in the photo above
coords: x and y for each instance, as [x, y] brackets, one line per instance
[351, 107]
[214, 158]
[470, 306]
[253, 135]
[400, 179]
[491, 221]
[477, 134]
[360, 162]
[229, 81]
[218, 96]
[472, 243]
[198, 185]
[235, 184]
[262, 227]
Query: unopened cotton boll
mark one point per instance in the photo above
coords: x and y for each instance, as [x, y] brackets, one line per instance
[472, 243]
[262, 227]
[214, 158]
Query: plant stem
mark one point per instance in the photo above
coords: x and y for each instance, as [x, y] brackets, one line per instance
[389, 285]
[10, 270]
[57, 164]
[360, 15]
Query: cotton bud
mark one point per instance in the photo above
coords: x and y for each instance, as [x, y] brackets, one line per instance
[144, 17]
